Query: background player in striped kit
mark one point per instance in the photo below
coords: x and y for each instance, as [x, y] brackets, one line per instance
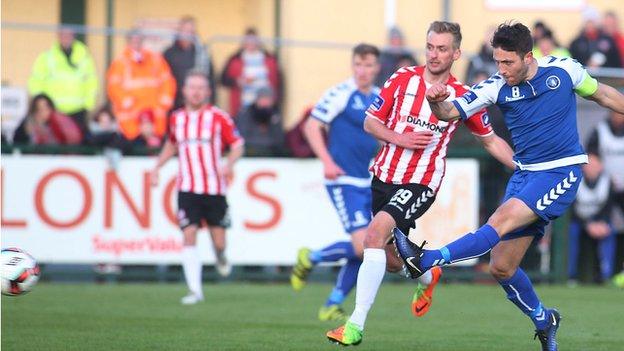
[346, 157]
[407, 176]
[198, 132]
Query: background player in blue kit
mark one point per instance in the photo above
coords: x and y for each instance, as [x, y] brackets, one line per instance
[346, 153]
[537, 98]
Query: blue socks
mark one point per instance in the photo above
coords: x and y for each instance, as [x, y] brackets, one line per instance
[347, 277]
[345, 282]
[520, 291]
[468, 246]
[334, 252]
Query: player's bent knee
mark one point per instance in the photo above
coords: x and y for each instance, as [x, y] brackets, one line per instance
[374, 239]
[501, 271]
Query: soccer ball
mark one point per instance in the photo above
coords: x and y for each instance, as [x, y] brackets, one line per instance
[20, 272]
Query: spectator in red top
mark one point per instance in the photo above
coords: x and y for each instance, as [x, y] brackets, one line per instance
[611, 26]
[296, 141]
[45, 126]
[592, 47]
[248, 70]
[147, 138]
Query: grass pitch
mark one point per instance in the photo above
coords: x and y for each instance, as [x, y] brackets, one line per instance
[238, 316]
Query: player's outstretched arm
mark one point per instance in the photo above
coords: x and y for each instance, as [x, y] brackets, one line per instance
[409, 140]
[609, 97]
[499, 149]
[167, 152]
[443, 110]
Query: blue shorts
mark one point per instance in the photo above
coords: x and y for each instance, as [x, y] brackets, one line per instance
[353, 205]
[548, 193]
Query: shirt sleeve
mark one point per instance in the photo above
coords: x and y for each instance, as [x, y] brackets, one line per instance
[479, 123]
[331, 104]
[381, 107]
[229, 132]
[584, 84]
[478, 97]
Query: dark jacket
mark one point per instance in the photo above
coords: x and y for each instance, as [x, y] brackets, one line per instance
[181, 61]
[263, 136]
[583, 47]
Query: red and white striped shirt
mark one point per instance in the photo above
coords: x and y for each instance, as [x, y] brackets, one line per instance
[201, 137]
[402, 107]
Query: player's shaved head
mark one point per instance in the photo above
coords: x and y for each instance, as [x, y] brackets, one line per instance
[447, 27]
[513, 37]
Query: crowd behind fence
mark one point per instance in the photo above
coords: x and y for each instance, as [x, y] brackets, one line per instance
[141, 88]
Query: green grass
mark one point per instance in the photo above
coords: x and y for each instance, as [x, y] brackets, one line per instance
[240, 316]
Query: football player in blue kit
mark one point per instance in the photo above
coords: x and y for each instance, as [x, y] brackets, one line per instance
[346, 153]
[537, 98]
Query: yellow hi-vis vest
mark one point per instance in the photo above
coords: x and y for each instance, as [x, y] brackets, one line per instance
[71, 87]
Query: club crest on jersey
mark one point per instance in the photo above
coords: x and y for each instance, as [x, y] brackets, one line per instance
[377, 103]
[469, 97]
[553, 82]
[485, 118]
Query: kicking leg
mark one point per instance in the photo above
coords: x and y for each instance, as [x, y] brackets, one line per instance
[512, 214]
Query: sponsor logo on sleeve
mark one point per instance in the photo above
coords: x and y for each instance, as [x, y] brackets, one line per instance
[320, 109]
[485, 118]
[377, 103]
[469, 97]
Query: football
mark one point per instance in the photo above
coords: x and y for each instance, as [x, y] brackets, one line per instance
[20, 272]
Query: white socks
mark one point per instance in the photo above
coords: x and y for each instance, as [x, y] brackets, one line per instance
[192, 270]
[369, 279]
[426, 278]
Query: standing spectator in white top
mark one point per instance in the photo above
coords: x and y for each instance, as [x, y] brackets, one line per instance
[591, 217]
[607, 141]
[199, 132]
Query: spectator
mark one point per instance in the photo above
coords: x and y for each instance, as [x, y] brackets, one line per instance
[188, 53]
[104, 130]
[66, 73]
[45, 126]
[591, 217]
[394, 56]
[138, 80]
[296, 142]
[147, 138]
[611, 27]
[607, 141]
[260, 124]
[548, 45]
[592, 47]
[539, 30]
[483, 61]
[248, 70]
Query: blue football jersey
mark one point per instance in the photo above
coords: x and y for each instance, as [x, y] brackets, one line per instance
[343, 108]
[540, 113]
